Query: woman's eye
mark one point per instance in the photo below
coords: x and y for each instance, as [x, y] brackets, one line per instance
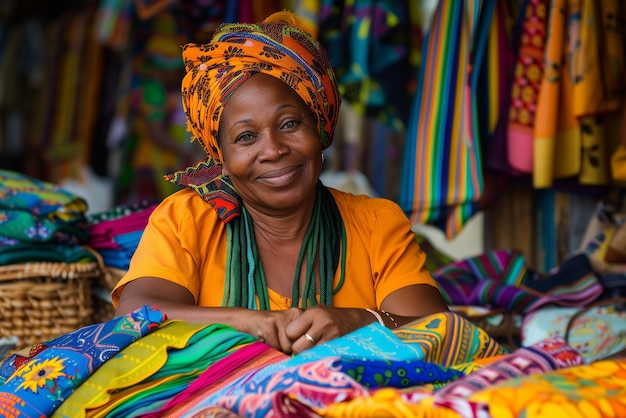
[289, 124]
[244, 137]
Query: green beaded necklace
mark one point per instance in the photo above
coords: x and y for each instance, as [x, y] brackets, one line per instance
[245, 279]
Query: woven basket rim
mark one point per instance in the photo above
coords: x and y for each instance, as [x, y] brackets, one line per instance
[10, 272]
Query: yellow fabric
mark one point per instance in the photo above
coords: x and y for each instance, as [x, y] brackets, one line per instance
[596, 90]
[185, 243]
[618, 163]
[567, 151]
[387, 403]
[600, 391]
[592, 96]
[122, 370]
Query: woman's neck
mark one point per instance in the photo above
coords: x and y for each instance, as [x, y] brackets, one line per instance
[279, 241]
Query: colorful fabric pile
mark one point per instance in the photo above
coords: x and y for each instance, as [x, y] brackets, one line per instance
[501, 279]
[40, 222]
[116, 233]
[144, 365]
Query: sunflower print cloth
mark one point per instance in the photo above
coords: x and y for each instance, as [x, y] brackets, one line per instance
[215, 70]
[147, 374]
[35, 386]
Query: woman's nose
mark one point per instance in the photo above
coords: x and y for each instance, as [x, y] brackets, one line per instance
[274, 146]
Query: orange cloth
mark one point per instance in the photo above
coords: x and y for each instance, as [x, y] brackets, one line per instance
[545, 128]
[185, 242]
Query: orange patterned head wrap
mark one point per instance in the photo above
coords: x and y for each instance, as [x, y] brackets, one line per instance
[277, 47]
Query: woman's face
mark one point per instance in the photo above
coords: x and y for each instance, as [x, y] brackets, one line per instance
[270, 145]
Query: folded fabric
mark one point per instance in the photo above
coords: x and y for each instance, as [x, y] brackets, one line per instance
[596, 333]
[135, 221]
[145, 375]
[17, 252]
[121, 211]
[220, 375]
[592, 390]
[575, 283]
[29, 227]
[425, 352]
[543, 356]
[36, 385]
[117, 238]
[455, 399]
[501, 279]
[32, 210]
[118, 258]
[46, 200]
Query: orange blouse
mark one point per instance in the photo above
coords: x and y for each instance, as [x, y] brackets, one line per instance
[185, 242]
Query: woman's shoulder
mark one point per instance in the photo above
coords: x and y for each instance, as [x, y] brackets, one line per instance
[351, 199]
[184, 206]
[364, 205]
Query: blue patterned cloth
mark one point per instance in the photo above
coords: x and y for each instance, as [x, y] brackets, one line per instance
[35, 386]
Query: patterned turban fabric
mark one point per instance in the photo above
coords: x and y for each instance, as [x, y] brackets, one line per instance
[215, 70]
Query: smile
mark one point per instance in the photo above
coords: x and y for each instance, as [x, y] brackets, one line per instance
[279, 177]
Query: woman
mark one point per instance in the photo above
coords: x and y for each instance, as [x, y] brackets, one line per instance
[256, 241]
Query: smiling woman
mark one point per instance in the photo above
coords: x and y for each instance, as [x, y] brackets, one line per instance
[256, 241]
[281, 136]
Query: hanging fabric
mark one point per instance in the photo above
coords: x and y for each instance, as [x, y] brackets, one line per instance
[545, 127]
[367, 42]
[579, 87]
[442, 176]
[597, 68]
[510, 18]
[308, 11]
[529, 68]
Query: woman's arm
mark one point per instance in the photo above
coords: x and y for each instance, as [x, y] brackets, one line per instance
[413, 302]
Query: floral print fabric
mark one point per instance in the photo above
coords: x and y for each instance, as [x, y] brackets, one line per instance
[36, 385]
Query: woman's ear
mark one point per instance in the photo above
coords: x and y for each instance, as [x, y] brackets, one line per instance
[224, 172]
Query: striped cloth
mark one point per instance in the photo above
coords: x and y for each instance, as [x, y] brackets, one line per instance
[442, 170]
[501, 279]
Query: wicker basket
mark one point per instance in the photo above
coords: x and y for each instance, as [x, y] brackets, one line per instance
[103, 309]
[43, 300]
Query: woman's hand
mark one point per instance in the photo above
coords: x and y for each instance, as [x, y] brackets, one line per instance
[269, 326]
[323, 323]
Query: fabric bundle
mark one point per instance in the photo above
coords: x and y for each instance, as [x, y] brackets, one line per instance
[501, 279]
[40, 221]
[35, 385]
[145, 365]
[115, 233]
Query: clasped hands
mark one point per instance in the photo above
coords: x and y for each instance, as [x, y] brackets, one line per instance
[295, 330]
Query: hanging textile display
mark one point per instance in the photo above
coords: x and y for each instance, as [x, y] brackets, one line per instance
[442, 178]
[529, 69]
[549, 102]
[367, 42]
[581, 83]
[597, 67]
